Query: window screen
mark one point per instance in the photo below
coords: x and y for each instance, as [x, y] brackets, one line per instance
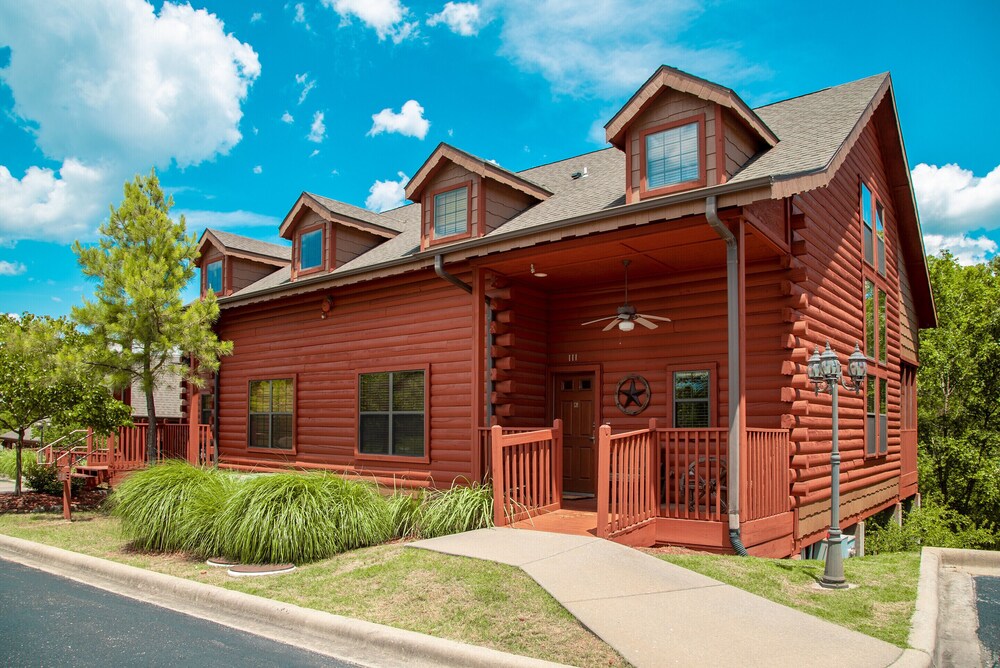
[672, 156]
[691, 397]
[391, 413]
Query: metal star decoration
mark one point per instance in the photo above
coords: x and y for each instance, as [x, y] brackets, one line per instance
[633, 395]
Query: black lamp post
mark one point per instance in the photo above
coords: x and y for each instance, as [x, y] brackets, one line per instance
[826, 374]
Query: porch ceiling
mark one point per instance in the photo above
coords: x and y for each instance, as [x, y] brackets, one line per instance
[597, 260]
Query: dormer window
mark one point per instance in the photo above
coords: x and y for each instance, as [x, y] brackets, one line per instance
[311, 249]
[451, 212]
[673, 156]
[213, 276]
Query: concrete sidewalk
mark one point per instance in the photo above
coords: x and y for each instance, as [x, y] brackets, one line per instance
[658, 614]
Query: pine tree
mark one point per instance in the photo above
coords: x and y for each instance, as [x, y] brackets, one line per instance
[137, 322]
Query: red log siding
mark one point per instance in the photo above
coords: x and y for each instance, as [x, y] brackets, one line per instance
[766, 304]
[502, 204]
[449, 175]
[383, 325]
[350, 243]
[829, 248]
[529, 351]
[667, 107]
[696, 301]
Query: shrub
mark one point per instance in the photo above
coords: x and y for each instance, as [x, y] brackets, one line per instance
[301, 517]
[404, 514]
[931, 525]
[165, 506]
[45, 479]
[461, 508]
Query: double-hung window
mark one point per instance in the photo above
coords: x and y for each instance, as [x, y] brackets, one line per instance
[391, 413]
[673, 156]
[451, 212]
[270, 414]
[691, 398]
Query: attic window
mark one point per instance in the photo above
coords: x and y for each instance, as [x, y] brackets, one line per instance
[311, 249]
[451, 212]
[672, 156]
[213, 276]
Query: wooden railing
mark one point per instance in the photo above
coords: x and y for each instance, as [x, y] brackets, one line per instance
[172, 441]
[127, 447]
[527, 472]
[626, 480]
[486, 449]
[694, 475]
[767, 473]
[206, 451]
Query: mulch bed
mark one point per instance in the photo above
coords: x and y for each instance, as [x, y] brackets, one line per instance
[35, 502]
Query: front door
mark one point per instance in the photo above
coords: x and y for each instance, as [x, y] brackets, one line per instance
[574, 405]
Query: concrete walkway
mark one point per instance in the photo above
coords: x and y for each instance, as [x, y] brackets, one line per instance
[658, 614]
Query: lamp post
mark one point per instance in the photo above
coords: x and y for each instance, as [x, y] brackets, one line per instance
[826, 374]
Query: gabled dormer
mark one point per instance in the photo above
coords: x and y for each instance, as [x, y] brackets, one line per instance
[230, 262]
[462, 196]
[326, 234]
[680, 132]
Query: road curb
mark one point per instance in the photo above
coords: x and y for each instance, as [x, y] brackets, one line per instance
[923, 624]
[353, 640]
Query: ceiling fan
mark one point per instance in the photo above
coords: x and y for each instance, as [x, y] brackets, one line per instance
[626, 317]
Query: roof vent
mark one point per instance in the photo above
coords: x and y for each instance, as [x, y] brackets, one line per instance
[577, 175]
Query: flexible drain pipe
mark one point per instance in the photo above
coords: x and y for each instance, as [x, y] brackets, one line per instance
[733, 355]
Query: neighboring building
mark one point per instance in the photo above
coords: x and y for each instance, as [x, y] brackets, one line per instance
[386, 344]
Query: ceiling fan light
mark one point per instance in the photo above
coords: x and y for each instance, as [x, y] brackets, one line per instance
[626, 325]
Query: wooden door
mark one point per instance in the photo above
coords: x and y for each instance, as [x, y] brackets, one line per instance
[574, 405]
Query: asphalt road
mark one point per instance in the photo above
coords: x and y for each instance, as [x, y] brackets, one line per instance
[988, 606]
[46, 620]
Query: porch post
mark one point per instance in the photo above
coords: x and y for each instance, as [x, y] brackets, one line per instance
[496, 453]
[603, 479]
[194, 419]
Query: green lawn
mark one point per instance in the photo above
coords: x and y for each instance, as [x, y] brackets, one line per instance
[468, 600]
[881, 606]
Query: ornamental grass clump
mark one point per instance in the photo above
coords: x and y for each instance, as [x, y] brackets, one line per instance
[8, 461]
[199, 524]
[301, 517]
[461, 508]
[404, 514]
[155, 505]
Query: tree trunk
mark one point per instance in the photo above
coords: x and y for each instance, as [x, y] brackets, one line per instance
[151, 433]
[17, 462]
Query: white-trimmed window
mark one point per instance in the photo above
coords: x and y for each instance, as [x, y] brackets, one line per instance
[451, 212]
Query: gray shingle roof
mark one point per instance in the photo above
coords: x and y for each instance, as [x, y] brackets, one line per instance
[237, 242]
[811, 129]
[386, 220]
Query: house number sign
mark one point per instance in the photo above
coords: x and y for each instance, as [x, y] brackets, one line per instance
[632, 394]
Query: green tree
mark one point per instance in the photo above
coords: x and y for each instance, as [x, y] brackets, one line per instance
[43, 381]
[959, 382]
[137, 321]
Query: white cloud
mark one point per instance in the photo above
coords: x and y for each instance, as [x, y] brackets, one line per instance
[385, 195]
[57, 300]
[317, 131]
[386, 17]
[314, 153]
[307, 85]
[255, 130]
[255, 17]
[300, 14]
[463, 18]
[258, 169]
[44, 205]
[409, 122]
[287, 118]
[11, 268]
[111, 80]
[612, 47]
[953, 199]
[966, 249]
[197, 220]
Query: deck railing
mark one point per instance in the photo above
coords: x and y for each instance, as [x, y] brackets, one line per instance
[767, 473]
[526, 468]
[206, 451]
[626, 481]
[486, 449]
[694, 476]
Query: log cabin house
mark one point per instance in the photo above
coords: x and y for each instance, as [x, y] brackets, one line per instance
[617, 340]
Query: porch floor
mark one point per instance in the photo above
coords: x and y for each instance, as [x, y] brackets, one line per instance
[577, 517]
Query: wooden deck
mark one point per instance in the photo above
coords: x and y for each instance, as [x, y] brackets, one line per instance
[576, 517]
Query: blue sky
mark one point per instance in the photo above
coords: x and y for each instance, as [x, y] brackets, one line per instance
[242, 105]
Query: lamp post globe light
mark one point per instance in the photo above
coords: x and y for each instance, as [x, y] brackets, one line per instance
[825, 373]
